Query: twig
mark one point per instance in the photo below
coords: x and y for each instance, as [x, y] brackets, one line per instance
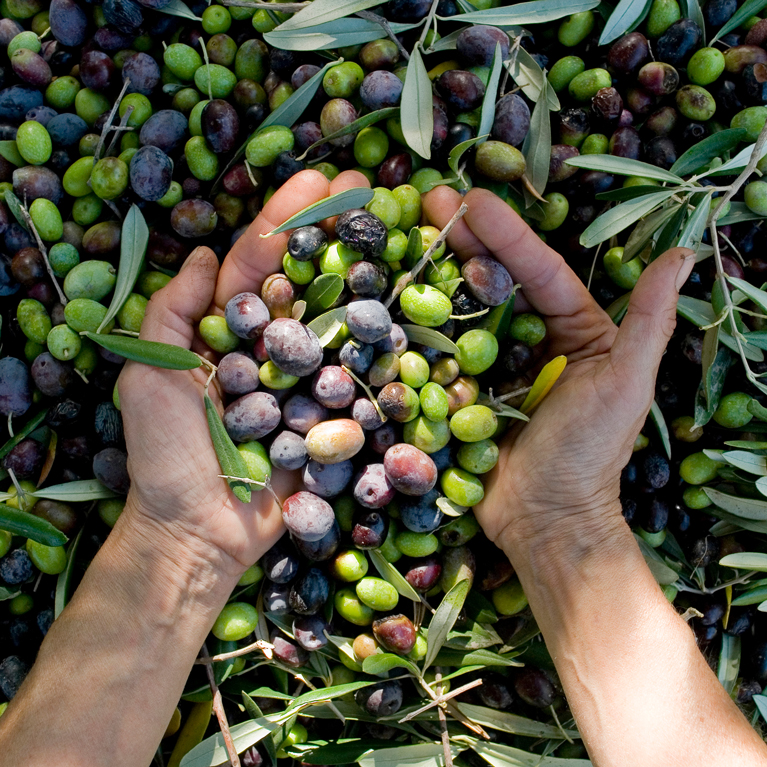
[384, 24]
[43, 250]
[259, 644]
[428, 21]
[123, 126]
[218, 707]
[443, 728]
[284, 7]
[368, 391]
[405, 279]
[108, 123]
[439, 699]
[559, 725]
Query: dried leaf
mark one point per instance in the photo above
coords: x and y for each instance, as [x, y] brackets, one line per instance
[543, 383]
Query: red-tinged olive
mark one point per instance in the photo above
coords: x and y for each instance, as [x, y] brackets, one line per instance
[423, 573]
[396, 633]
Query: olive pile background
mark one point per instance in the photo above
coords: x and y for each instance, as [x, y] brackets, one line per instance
[189, 95]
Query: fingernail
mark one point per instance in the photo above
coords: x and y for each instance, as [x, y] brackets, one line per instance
[688, 262]
[191, 257]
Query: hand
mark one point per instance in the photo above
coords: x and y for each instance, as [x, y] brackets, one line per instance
[564, 466]
[174, 470]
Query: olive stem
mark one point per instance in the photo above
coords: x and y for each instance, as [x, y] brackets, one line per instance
[384, 24]
[259, 644]
[445, 735]
[735, 582]
[734, 249]
[121, 332]
[207, 64]
[368, 391]
[559, 725]
[108, 123]
[20, 492]
[469, 316]
[405, 279]
[218, 707]
[427, 22]
[117, 129]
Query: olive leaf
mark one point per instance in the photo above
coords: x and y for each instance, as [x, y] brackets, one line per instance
[133, 242]
[543, 383]
[746, 461]
[336, 34]
[618, 308]
[361, 122]
[342, 751]
[416, 116]
[173, 88]
[415, 249]
[736, 163]
[358, 197]
[747, 10]
[738, 213]
[14, 205]
[64, 580]
[22, 434]
[747, 508]
[646, 228]
[181, 9]
[446, 43]
[692, 10]
[443, 620]
[419, 755]
[627, 193]
[666, 236]
[229, 458]
[757, 338]
[623, 166]
[149, 352]
[391, 574]
[323, 695]
[512, 723]
[537, 146]
[746, 560]
[458, 151]
[535, 12]
[450, 508]
[29, 526]
[10, 152]
[487, 112]
[751, 597]
[662, 573]
[6, 594]
[729, 662]
[711, 386]
[460, 658]
[620, 217]
[528, 75]
[695, 310]
[78, 491]
[326, 11]
[429, 337]
[327, 325]
[382, 663]
[759, 297]
[627, 15]
[705, 151]
[322, 293]
[212, 751]
[656, 414]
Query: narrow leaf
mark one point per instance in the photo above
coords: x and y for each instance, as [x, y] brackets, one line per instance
[323, 695]
[751, 597]
[537, 146]
[620, 217]
[361, 122]
[748, 462]
[656, 414]
[695, 310]
[746, 560]
[627, 193]
[10, 151]
[759, 297]
[729, 662]
[336, 34]
[6, 593]
[429, 337]
[444, 618]
[14, 205]
[229, 458]
[736, 163]
[79, 491]
[694, 12]
[416, 116]
[662, 573]
[543, 383]
[623, 166]
[738, 213]
[667, 236]
[618, 308]
[28, 525]
[528, 75]
[420, 755]
[22, 434]
[761, 703]
[646, 228]
[325, 11]
[512, 723]
[747, 508]
[627, 14]
[458, 151]
[746, 11]
[181, 9]
[64, 580]
[382, 663]
[327, 325]
[693, 231]
[357, 197]
[391, 574]
[498, 755]
[498, 320]
[458, 658]
[149, 352]
[705, 151]
[711, 387]
[535, 12]
[133, 242]
[322, 293]
[212, 751]
[487, 113]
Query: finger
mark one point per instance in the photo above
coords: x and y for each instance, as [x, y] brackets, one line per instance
[349, 179]
[651, 318]
[173, 310]
[253, 259]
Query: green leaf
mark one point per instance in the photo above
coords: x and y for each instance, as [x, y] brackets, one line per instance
[323, 695]
[666, 237]
[420, 755]
[343, 751]
[322, 293]
[22, 434]
[498, 320]
[705, 151]
[254, 712]
[627, 193]
[623, 166]
[446, 43]
[626, 16]
[620, 217]
[757, 338]
[751, 597]
[748, 462]
[64, 579]
[729, 662]
[694, 310]
[736, 163]
[326, 11]
[443, 619]
[133, 242]
[759, 297]
[229, 458]
[14, 205]
[382, 663]
[429, 337]
[479, 608]
[415, 248]
[181, 9]
[646, 228]
[746, 560]
[535, 12]
[691, 10]
[618, 308]
[693, 231]
[78, 491]
[458, 151]
[512, 723]
[336, 34]
[6, 594]
[487, 113]
[357, 197]
[458, 658]
[656, 414]
[32, 527]
[149, 352]
[711, 386]
[361, 122]
[760, 701]
[391, 574]
[537, 146]
[473, 636]
[499, 755]
[528, 75]
[745, 508]
[738, 213]
[10, 151]
[416, 116]
[212, 751]
[746, 11]
[327, 325]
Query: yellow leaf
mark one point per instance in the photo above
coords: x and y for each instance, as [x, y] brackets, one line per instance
[192, 732]
[543, 383]
[728, 594]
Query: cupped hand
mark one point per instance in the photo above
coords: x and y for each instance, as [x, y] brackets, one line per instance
[174, 470]
[564, 465]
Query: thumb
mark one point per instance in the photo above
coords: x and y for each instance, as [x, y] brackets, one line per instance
[651, 317]
[172, 311]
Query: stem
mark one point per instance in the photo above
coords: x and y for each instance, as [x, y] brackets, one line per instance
[445, 735]
[117, 129]
[368, 391]
[259, 644]
[218, 707]
[384, 24]
[427, 23]
[108, 123]
[43, 250]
